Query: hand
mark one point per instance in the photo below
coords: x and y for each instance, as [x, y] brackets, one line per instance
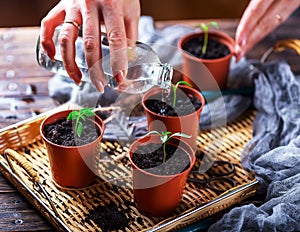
[120, 18]
[259, 19]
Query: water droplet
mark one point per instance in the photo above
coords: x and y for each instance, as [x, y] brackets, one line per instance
[8, 47]
[6, 36]
[10, 73]
[9, 59]
[12, 86]
[19, 221]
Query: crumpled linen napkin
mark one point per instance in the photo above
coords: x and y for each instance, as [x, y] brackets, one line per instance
[273, 154]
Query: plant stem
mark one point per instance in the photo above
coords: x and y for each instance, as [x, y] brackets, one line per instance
[204, 48]
[165, 152]
[174, 95]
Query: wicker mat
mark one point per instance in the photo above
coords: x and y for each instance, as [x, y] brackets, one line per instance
[82, 210]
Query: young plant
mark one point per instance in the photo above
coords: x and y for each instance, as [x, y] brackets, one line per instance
[205, 28]
[165, 137]
[175, 87]
[79, 116]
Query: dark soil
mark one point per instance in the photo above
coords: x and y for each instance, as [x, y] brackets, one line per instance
[214, 49]
[62, 133]
[186, 104]
[109, 218]
[151, 156]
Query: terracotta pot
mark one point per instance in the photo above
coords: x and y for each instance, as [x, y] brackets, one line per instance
[72, 166]
[157, 194]
[187, 124]
[206, 74]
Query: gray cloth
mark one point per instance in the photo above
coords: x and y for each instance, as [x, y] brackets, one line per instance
[273, 154]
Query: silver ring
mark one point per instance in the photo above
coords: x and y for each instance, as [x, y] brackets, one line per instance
[73, 23]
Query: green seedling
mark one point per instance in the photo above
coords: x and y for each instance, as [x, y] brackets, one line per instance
[165, 137]
[79, 116]
[205, 28]
[175, 87]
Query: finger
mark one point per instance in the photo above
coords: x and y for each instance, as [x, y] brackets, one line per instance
[67, 37]
[48, 24]
[277, 13]
[116, 35]
[92, 45]
[131, 20]
[131, 31]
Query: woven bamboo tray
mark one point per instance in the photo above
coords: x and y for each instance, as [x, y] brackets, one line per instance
[114, 187]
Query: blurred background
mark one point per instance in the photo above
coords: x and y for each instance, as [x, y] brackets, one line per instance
[18, 13]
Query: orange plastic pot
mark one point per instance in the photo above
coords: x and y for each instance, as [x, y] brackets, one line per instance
[158, 195]
[72, 166]
[187, 124]
[206, 74]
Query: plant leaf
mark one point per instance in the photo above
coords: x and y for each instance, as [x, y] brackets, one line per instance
[87, 112]
[81, 117]
[153, 132]
[73, 115]
[204, 27]
[181, 135]
[183, 83]
[214, 24]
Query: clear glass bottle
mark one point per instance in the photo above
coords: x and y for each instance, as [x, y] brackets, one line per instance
[144, 68]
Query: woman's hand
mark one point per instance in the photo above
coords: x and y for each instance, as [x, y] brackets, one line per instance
[259, 19]
[120, 18]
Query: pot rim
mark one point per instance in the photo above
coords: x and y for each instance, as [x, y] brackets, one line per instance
[100, 127]
[216, 35]
[191, 154]
[156, 90]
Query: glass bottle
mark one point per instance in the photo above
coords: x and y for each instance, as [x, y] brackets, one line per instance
[144, 67]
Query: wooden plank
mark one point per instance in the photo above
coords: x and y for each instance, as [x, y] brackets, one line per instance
[17, 214]
[5, 185]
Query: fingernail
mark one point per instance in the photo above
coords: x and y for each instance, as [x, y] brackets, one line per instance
[51, 56]
[99, 86]
[243, 42]
[239, 52]
[239, 56]
[120, 77]
[76, 78]
[238, 49]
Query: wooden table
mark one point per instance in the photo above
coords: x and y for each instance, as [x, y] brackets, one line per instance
[19, 70]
